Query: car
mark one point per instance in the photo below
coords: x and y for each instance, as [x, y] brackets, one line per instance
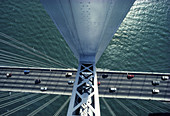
[165, 77]
[43, 88]
[155, 82]
[112, 89]
[68, 74]
[8, 75]
[104, 75]
[26, 72]
[155, 91]
[37, 81]
[130, 76]
[70, 82]
[98, 83]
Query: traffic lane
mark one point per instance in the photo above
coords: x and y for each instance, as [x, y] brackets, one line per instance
[35, 70]
[136, 84]
[129, 88]
[64, 82]
[136, 77]
[117, 79]
[50, 74]
[107, 83]
[130, 80]
[38, 77]
[33, 76]
[61, 82]
[126, 94]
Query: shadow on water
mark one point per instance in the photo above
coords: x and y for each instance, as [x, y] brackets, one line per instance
[159, 114]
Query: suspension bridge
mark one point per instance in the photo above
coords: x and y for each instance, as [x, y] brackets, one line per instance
[87, 32]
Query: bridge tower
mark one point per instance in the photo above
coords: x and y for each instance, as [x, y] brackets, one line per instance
[87, 26]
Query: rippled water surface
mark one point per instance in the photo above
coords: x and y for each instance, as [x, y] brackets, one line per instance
[28, 37]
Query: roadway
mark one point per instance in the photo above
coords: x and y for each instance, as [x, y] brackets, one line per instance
[139, 87]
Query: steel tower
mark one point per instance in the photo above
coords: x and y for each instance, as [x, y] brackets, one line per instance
[87, 26]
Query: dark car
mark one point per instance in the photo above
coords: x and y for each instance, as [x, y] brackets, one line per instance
[68, 74]
[37, 81]
[104, 75]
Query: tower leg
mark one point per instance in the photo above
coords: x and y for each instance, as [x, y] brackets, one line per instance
[85, 100]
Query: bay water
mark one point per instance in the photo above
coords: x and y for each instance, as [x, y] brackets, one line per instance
[29, 38]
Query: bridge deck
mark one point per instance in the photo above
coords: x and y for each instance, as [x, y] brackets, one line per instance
[139, 87]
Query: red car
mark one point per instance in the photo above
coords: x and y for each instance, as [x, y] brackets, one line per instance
[130, 76]
[98, 83]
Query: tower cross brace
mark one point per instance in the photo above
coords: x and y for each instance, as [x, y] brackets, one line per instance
[85, 100]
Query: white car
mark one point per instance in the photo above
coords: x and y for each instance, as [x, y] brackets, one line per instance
[43, 88]
[70, 82]
[113, 89]
[155, 91]
[68, 74]
[155, 82]
[165, 77]
[8, 75]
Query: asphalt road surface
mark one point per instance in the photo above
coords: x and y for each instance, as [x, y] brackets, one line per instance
[139, 87]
